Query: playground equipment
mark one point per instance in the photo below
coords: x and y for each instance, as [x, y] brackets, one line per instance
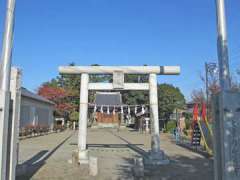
[201, 123]
[196, 134]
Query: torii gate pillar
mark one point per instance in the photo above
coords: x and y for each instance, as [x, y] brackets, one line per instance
[82, 133]
[156, 156]
[153, 99]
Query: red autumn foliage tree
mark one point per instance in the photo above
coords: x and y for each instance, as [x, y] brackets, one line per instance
[54, 94]
[59, 96]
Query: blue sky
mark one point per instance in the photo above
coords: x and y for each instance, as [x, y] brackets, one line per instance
[120, 32]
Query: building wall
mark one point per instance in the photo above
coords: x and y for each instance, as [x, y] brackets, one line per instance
[35, 113]
[107, 118]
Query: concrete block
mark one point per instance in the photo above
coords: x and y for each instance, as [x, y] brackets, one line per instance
[83, 157]
[156, 158]
[93, 166]
[138, 168]
[74, 157]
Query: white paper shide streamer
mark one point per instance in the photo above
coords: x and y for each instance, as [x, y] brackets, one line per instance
[135, 111]
[95, 108]
[114, 110]
[143, 110]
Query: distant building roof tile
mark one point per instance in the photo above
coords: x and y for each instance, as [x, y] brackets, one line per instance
[25, 92]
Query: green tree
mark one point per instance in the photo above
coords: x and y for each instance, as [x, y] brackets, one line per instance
[70, 84]
[54, 83]
[135, 97]
[74, 116]
[95, 78]
[169, 99]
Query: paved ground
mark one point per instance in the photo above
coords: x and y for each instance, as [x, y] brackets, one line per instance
[46, 157]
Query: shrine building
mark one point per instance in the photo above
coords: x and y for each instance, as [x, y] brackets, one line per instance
[106, 114]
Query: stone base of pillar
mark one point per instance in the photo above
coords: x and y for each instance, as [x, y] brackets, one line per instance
[93, 166]
[156, 158]
[80, 157]
[83, 157]
[88, 163]
[138, 168]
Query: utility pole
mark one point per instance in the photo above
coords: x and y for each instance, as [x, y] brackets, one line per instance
[210, 69]
[226, 114]
[222, 44]
[5, 73]
[207, 91]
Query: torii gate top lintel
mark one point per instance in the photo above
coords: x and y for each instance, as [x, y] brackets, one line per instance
[161, 70]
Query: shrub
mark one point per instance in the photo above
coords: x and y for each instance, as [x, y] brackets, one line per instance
[171, 125]
[74, 116]
[188, 120]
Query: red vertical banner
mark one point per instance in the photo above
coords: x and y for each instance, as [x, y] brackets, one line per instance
[204, 112]
[195, 113]
[195, 116]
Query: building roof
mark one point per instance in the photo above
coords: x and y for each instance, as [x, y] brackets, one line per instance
[108, 98]
[29, 94]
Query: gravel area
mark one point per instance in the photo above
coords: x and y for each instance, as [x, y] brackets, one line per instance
[47, 157]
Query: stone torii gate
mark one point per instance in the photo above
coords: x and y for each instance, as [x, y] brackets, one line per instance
[156, 156]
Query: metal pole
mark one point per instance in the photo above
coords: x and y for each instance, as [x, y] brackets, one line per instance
[223, 149]
[224, 74]
[5, 72]
[13, 127]
[7, 47]
[207, 91]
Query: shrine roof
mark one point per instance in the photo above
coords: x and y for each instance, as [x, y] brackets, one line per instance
[108, 98]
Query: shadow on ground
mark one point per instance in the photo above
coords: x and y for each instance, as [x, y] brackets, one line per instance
[131, 146]
[27, 169]
[198, 150]
[180, 168]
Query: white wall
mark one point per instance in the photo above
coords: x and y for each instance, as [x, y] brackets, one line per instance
[35, 112]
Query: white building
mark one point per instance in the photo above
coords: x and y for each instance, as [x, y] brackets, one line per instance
[35, 110]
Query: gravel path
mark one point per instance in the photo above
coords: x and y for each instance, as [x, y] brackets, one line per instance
[47, 157]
